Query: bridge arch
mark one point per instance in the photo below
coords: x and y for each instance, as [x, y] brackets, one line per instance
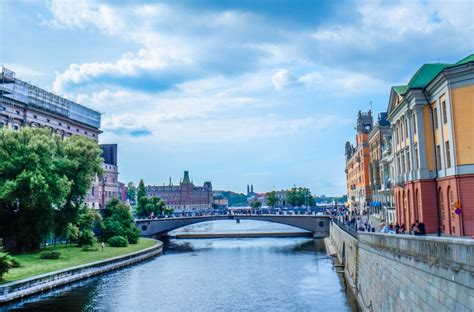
[318, 225]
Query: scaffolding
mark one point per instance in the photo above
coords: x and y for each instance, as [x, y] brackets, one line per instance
[33, 96]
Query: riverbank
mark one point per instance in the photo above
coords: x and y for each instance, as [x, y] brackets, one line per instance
[42, 282]
[242, 235]
[71, 256]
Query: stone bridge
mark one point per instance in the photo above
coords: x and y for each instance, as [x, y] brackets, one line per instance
[318, 225]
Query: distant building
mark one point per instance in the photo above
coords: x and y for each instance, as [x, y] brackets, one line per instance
[105, 187]
[376, 144]
[220, 201]
[359, 194]
[185, 197]
[281, 195]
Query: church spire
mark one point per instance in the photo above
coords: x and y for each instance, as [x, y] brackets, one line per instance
[186, 178]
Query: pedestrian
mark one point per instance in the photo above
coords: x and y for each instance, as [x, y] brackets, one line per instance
[422, 229]
[102, 246]
[397, 228]
[414, 228]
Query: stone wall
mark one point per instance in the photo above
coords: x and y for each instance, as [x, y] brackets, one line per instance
[407, 273]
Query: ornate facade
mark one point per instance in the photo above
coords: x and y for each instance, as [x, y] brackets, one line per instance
[185, 197]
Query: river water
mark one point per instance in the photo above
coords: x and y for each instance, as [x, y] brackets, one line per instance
[248, 274]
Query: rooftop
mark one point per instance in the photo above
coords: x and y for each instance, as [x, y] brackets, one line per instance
[30, 95]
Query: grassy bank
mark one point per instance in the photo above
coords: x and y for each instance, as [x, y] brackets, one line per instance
[31, 264]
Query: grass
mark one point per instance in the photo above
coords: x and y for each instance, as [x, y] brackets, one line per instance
[31, 264]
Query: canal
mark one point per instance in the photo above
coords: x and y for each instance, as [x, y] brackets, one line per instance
[231, 274]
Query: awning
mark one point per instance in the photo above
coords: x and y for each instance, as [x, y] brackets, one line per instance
[376, 204]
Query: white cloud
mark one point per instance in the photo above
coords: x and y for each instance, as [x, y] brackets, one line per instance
[394, 21]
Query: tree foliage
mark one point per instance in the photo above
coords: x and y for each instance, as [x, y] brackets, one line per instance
[131, 192]
[119, 221]
[256, 204]
[43, 182]
[299, 196]
[150, 206]
[272, 198]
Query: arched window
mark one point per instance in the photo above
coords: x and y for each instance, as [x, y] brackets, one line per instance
[418, 206]
[452, 210]
[442, 209]
[408, 206]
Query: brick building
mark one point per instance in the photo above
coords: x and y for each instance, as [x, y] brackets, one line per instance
[185, 197]
[359, 194]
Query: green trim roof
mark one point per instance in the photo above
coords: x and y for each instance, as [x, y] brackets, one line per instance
[425, 74]
[465, 60]
[186, 179]
[400, 89]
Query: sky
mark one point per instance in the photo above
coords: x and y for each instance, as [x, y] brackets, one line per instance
[237, 92]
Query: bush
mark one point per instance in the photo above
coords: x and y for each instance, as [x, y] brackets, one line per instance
[86, 238]
[89, 248]
[5, 263]
[50, 255]
[118, 241]
[133, 235]
[12, 261]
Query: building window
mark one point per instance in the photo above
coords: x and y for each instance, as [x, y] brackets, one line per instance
[1, 125]
[15, 127]
[441, 205]
[60, 123]
[448, 155]
[445, 114]
[403, 163]
[435, 116]
[417, 164]
[35, 117]
[69, 127]
[438, 156]
[408, 161]
[47, 120]
[414, 124]
[406, 128]
[77, 130]
[401, 132]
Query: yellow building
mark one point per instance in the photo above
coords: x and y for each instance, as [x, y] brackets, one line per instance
[432, 122]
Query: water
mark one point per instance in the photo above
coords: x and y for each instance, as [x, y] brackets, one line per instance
[257, 274]
[232, 227]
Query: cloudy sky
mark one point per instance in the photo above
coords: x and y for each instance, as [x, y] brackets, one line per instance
[237, 92]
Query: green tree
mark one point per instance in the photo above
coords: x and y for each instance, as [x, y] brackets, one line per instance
[119, 221]
[88, 220]
[256, 204]
[43, 182]
[272, 198]
[81, 163]
[32, 187]
[141, 193]
[148, 206]
[299, 196]
[131, 192]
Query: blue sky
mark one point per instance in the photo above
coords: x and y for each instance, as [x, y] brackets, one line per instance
[236, 92]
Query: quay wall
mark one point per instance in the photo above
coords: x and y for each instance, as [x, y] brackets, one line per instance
[390, 272]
